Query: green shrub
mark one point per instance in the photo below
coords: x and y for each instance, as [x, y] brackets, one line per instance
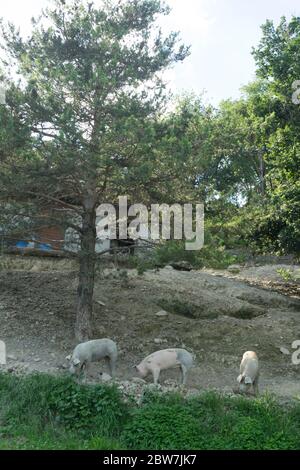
[211, 421]
[160, 426]
[212, 255]
[24, 399]
[44, 412]
[46, 400]
[289, 275]
[87, 409]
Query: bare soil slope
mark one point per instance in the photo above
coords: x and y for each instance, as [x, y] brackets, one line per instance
[215, 315]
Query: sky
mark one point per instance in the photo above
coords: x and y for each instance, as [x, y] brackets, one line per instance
[221, 34]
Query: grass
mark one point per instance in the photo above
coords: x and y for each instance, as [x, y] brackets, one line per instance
[50, 440]
[44, 412]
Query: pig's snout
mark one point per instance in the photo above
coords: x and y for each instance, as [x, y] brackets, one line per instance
[141, 371]
[72, 370]
[74, 367]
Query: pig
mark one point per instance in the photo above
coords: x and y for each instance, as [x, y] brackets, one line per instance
[249, 374]
[93, 351]
[165, 359]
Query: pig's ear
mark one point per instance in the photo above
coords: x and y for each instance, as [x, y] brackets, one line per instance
[68, 357]
[248, 380]
[240, 378]
[76, 362]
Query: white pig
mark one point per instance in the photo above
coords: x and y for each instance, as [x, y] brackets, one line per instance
[93, 351]
[165, 359]
[249, 373]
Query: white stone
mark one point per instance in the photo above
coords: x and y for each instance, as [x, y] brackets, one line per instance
[162, 313]
[285, 351]
[158, 341]
[105, 377]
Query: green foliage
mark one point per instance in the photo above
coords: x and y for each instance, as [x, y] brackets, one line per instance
[85, 409]
[86, 112]
[24, 399]
[173, 251]
[86, 106]
[141, 263]
[47, 401]
[212, 255]
[245, 155]
[53, 440]
[44, 412]
[277, 58]
[266, 229]
[289, 275]
[158, 427]
[211, 422]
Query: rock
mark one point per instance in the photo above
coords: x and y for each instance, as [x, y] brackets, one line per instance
[105, 377]
[34, 269]
[100, 303]
[37, 359]
[285, 351]
[182, 266]
[123, 318]
[138, 380]
[158, 341]
[234, 269]
[170, 383]
[161, 313]
[12, 358]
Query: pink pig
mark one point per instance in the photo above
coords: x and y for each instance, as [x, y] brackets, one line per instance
[249, 373]
[165, 359]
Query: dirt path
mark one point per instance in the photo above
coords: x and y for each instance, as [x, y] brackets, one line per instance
[216, 315]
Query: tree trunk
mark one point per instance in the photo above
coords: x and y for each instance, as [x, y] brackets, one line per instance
[83, 328]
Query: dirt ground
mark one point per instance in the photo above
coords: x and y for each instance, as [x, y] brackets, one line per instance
[216, 315]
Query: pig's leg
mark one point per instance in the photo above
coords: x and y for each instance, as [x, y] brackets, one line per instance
[255, 387]
[184, 370]
[155, 374]
[84, 371]
[112, 366]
